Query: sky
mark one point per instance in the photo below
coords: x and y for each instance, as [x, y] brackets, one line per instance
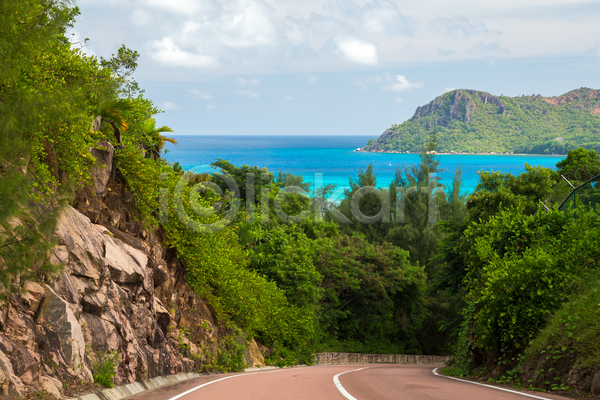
[342, 67]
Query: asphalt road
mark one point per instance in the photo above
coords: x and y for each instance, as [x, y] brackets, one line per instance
[335, 382]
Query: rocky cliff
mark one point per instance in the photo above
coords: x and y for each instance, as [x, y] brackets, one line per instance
[119, 291]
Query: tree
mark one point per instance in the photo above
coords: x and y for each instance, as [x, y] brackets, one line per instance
[122, 66]
[497, 191]
[579, 165]
[373, 297]
[155, 142]
[111, 112]
[45, 88]
[369, 205]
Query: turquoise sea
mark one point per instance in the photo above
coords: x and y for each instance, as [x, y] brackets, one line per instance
[333, 156]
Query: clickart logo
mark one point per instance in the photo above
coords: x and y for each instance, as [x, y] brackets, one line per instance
[318, 203]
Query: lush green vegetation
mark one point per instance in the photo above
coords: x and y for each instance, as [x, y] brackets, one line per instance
[298, 288]
[348, 294]
[105, 367]
[47, 92]
[497, 279]
[529, 272]
[478, 122]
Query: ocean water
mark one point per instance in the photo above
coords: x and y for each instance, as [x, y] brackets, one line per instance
[334, 157]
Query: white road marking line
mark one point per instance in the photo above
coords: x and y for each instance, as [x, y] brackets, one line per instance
[339, 386]
[490, 386]
[227, 377]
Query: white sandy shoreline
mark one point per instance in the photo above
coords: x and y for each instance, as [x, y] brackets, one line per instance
[461, 153]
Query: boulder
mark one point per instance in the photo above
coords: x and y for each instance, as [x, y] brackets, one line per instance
[163, 316]
[70, 288]
[126, 264]
[142, 321]
[57, 314]
[104, 153]
[50, 348]
[10, 384]
[60, 255]
[254, 357]
[101, 334]
[84, 243]
[94, 303]
[33, 296]
[26, 364]
[51, 385]
[19, 326]
[159, 274]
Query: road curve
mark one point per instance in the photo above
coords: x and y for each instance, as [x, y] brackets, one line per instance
[360, 382]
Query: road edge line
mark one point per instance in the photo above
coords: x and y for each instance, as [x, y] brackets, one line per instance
[490, 386]
[339, 386]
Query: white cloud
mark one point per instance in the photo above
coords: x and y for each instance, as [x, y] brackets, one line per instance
[210, 107]
[387, 81]
[444, 53]
[249, 93]
[313, 79]
[243, 32]
[400, 84]
[200, 94]
[492, 47]
[239, 37]
[459, 27]
[181, 7]
[237, 24]
[288, 98]
[379, 17]
[168, 105]
[247, 82]
[141, 17]
[247, 23]
[384, 17]
[358, 51]
[168, 53]
[398, 100]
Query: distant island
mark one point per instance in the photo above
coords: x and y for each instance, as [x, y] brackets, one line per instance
[469, 121]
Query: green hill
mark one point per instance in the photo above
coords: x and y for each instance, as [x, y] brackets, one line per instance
[469, 121]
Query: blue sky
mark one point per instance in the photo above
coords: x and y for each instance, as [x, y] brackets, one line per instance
[344, 67]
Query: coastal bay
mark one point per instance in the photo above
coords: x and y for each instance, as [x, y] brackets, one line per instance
[335, 157]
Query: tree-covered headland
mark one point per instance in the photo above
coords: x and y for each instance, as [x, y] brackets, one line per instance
[505, 279]
[470, 121]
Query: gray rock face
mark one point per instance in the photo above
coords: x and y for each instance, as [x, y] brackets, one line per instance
[35, 294]
[56, 313]
[104, 300]
[51, 385]
[104, 153]
[84, 243]
[10, 384]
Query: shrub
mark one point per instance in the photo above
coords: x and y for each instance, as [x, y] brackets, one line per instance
[106, 367]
